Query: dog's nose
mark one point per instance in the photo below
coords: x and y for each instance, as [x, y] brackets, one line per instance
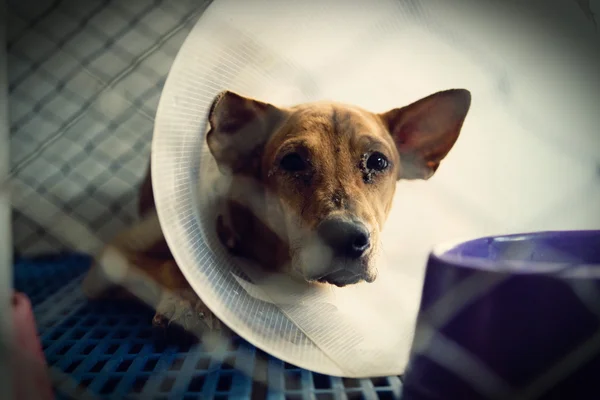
[346, 239]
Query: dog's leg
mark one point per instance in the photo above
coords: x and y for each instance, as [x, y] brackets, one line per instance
[122, 257]
[182, 305]
[127, 266]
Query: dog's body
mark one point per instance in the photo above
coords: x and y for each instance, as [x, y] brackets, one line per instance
[320, 180]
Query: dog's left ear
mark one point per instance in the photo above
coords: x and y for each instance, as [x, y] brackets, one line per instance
[239, 129]
[426, 130]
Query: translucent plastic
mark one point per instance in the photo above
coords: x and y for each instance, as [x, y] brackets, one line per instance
[380, 55]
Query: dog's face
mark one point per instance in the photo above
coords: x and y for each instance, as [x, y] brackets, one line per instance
[333, 169]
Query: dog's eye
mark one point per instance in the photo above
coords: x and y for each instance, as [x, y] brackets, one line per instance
[293, 162]
[377, 162]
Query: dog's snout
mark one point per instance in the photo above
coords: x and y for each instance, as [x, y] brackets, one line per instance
[345, 238]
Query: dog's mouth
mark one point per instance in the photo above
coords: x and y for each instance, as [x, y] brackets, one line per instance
[343, 278]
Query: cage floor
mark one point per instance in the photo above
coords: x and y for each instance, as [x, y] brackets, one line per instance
[108, 350]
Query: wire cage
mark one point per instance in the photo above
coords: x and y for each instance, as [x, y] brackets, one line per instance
[84, 81]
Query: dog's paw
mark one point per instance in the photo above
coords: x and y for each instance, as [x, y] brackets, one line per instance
[186, 310]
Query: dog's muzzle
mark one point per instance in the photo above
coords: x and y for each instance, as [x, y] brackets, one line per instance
[349, 242]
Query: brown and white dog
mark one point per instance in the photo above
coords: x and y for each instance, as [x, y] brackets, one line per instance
[326, 174]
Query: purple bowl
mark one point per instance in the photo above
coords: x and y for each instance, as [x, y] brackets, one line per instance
[510, 317]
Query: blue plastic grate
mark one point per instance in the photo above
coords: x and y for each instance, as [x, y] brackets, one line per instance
[109, 350]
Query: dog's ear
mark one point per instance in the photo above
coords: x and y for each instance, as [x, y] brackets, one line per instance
[426, 130]
[239, 129]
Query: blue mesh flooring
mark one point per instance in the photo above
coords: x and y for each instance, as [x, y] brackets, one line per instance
[108, 350]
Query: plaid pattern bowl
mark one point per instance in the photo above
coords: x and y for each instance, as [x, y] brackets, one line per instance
[510, 317]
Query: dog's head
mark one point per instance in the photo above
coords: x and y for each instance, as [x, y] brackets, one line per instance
[333, 169]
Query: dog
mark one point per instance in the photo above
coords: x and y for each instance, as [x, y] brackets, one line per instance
[324, 176]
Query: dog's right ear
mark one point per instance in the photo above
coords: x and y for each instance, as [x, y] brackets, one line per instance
[239, 129]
